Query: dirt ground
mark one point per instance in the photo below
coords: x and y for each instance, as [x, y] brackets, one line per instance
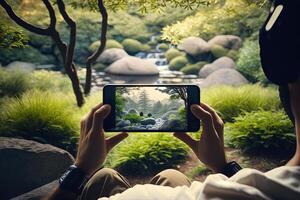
[195, 170]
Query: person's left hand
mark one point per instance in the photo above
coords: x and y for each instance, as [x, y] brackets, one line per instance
[93, 146]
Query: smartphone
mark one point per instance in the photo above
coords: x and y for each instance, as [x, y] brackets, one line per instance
[151, 108]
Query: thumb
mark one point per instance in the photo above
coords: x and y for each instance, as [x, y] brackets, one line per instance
[184, 137]
[99, 116]
[114, 140]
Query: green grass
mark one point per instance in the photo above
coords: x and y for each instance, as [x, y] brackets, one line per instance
[13, 82]
[231, 102]
[198, 170]
[42, 116]
[147, 152]
[264, 132]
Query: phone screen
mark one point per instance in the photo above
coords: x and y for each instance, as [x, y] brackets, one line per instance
[150, 108]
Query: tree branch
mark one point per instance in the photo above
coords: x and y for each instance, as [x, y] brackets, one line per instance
[91, 59]
[21, 22]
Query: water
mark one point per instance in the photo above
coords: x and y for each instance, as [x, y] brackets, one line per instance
[165, 75]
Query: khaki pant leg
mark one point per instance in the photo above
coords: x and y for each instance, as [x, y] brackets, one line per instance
[170, 177]
[104, 183]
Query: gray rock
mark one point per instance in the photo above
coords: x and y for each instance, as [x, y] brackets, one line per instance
[133, 111]
[148, 121]
[224, 77]
[195, 47]
[221, 63]
[111, 55]
[227, 41]
[123, 123]
[130, 65]
[23, 66]
[38, 193]
[47, 67]
[26, 165]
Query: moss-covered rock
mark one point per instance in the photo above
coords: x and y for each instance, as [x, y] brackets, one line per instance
[132, 46]
[109, 45]
[218, 51]
[233, 54]
[163, 47]
[178, 63]
[99, 67]
[173, 53]
[193, 68]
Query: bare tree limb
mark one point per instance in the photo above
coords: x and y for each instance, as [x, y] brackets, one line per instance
[21, 22]
[91, 59]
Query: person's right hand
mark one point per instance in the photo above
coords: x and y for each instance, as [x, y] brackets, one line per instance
[210, 148]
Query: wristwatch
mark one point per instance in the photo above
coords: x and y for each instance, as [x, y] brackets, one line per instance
[231, 168]
[73, 180]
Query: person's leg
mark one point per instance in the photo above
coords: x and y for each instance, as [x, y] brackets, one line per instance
[104, 183]
[170, 177]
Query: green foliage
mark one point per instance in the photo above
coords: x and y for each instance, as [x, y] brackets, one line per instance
[132, 46]
[178, 63]
[13, 82]
[133, 118]
[109, 44]
[173, 53]
[11, 37]
[218, 51]
[42, 116]
[198, 170]
[144, 153]
[193, 68]
[230, 102]
[262, 132]
[50, 81]
[236, 17]
[249, 62]
[99, 67]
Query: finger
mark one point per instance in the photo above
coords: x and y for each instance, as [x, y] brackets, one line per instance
[184, 137]
[90, 115]
[204, 116]
[114, 140]
[99, 117]
[218, 122]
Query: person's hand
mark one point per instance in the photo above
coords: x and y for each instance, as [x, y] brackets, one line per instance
[93, 146]
[210, 148]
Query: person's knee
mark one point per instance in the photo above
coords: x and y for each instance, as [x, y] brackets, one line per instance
[104, 174]
[170, 177]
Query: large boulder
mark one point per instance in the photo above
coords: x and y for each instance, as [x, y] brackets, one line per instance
[111, 55]
[26, 165]
[221, 63]
[167, 114]
[123, 123]
[130, 65]
[196, 47]
[224, 77]
[227, 41]
[173, 124]
[23, 66]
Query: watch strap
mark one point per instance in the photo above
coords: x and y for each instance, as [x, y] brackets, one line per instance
[231, 168]
[73, 180]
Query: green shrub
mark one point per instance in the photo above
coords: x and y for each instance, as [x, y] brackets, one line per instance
[144, 153]
[218, 51]
[249, 62]
[163, 46]
[233, 54]
[49, 80]
[230, 102]
[262, 132]
[178, 63]
[132, 46]
[109, 44]
[42, 116]
[13, 82]
[193, 68]
[173, 53]
[133, 118]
